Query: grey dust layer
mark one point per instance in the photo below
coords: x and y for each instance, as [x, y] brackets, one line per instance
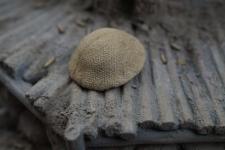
[180, 87]
[19, 129]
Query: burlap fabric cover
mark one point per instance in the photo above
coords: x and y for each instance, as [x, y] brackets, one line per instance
[106, 58]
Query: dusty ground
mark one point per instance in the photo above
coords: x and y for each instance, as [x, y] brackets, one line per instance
[19, 129]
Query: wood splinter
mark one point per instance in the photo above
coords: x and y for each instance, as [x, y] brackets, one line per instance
[49, 62]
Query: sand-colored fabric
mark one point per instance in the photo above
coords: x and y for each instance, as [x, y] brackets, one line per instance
[106, 58]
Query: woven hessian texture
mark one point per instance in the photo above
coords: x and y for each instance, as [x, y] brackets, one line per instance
[106, 58]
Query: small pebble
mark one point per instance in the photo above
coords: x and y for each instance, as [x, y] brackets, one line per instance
[61, 30]
[134, 86]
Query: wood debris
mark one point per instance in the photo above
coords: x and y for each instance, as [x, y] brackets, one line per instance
[49, 62]
[81, 23]
[175, 46]
[181, 61]
[163, 58]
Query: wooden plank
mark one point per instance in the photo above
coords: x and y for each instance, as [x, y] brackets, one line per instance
[128, 125]
[173, 45]
[155, 137]
[163, 84]
[205, 146]
[148, 115]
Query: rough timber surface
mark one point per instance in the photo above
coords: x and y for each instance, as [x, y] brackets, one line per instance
[182, 86]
